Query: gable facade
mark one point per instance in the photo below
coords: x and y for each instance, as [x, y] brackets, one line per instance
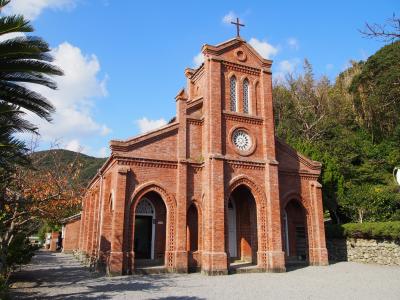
[217, 185]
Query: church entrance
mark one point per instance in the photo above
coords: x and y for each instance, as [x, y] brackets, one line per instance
[150, 230]
[144, 238]
[232, 228]
[242, 241]
[193, 230]
[295, 237]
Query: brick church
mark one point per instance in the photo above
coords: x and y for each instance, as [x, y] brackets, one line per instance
[214, 189]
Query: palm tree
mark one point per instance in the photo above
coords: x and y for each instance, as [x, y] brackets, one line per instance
[12, 150]
[23, 59]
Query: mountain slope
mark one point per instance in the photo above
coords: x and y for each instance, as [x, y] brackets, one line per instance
[90, 164]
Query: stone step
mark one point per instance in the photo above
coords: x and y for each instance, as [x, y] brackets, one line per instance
[242, 267]
[150, 270]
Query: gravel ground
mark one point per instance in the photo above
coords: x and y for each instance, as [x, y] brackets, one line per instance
[60, 276]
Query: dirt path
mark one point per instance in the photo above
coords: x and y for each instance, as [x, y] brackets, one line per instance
[59, 276]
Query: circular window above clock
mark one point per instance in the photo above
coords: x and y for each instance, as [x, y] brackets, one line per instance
[242, 140]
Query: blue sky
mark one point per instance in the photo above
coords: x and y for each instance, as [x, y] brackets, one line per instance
[124, 60]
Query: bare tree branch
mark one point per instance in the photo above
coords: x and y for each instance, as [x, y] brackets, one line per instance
[381, 31]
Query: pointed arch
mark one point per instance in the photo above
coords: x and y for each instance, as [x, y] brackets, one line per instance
[256, 99]
[246, 96]
[233, 93]
[170, 206]
[297, 232]
[260, 202]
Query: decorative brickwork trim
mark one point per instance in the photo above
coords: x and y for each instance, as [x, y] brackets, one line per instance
[195, 103]
[304, 175]
[261, 205]
[241, 68]
[146, 162]
[197, 74]
[194, 121]
[245, 165]
[295, 195]
[244, 118]
[170, 204]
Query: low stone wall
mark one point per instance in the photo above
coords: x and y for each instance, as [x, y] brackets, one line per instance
[384, 252]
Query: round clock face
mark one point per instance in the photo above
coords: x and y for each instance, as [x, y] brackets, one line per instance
[241, 140]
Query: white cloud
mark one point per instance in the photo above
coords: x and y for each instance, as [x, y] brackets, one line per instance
[265, 49]
[346, 66]
[146, 125]
[288, 66]
[31, 9]
[285, 67]
[230, 17]
[74, 145]
[75, 98]
[329, 67]
[293, 43]
[12, 35]
[198, 60]
[103, 152]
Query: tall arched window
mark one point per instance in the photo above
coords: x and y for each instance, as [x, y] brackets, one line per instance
[233, 93]
[246, 96]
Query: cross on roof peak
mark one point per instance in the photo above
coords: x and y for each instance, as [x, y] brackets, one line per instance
[237, 23]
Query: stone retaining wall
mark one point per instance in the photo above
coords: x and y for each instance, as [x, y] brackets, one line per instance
[384, 252]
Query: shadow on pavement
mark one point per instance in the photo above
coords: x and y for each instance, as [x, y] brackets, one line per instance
[58, 276]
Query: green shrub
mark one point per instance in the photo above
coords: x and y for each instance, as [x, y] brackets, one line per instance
[3, 288]
[20, 251]
[367, 230]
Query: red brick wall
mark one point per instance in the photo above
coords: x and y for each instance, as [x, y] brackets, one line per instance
[193, 161]
[53, 241]
[71, 236]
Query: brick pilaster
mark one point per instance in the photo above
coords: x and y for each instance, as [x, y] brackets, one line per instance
[117, 255]
[275, 259]
[181, 256]
[83, 224]
[214, 258]
[318, 251]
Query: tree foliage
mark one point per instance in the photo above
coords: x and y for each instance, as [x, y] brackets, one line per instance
[35, 195]
[376, 91]
[24, 60]
[27, 195]
[352, 126]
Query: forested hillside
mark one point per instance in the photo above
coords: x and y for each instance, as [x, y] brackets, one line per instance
[88, 165]
[351, 126]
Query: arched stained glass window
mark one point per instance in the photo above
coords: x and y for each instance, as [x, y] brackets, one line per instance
[144, 207]
[246, 96]
[233, 93]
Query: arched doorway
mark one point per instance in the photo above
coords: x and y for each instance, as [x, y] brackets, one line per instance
[295, 237]
[193, 238]
[150, 230]
[242, 235]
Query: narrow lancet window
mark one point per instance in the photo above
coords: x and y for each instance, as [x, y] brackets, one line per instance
[233, 93]
[246, 96]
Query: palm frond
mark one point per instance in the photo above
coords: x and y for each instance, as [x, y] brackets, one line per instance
[25, 48]
[33, 77]
[29, 65]
[14, 23]
[11, 120]
[25, 98]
